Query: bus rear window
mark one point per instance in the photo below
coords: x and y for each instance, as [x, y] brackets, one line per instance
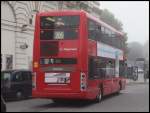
[58, 34]
[44, 61]
[59, 27]
[52, 22]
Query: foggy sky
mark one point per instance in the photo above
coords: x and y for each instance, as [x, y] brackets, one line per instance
[134, 16]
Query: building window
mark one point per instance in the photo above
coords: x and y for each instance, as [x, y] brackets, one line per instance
[9, 61]
[30, 21]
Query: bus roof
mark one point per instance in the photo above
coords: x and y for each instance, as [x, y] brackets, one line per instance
[61, 12]
[104, 24]
[75, 12]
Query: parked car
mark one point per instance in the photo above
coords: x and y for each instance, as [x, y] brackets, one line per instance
[16, 84]
[3, 105]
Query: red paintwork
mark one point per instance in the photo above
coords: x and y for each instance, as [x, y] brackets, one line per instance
[92, 51]
[84, 47]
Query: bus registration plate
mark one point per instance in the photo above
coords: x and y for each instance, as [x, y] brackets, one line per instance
[57, 78]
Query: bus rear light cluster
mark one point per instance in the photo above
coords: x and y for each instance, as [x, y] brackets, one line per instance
[35, 65]
[34, 80]
[82, 81]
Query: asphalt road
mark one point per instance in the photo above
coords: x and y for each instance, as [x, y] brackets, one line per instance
[134, 99]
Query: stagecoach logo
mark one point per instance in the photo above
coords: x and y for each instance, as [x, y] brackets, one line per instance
[68, 49]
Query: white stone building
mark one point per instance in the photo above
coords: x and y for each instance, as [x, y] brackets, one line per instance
[17, 28]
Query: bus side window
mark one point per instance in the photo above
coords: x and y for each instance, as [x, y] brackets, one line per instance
[102, 68]
[96, 70]
[91, 68]
[122, 68]
[98, 33]
[91, 30]
[110, 69]
[94, 30]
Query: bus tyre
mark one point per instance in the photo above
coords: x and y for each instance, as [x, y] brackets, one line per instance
[119, 89]
[98, 97]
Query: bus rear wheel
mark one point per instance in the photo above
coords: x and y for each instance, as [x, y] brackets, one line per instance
[98, 97]
[119, 89]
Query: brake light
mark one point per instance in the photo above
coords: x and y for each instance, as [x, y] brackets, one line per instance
[34, 80]
[83, 81]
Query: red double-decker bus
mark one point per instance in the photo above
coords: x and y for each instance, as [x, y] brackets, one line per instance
[76, 56]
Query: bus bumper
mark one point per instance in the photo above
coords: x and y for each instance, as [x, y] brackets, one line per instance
[80, 95]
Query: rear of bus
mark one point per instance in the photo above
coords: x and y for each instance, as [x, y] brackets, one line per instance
[60, 55]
